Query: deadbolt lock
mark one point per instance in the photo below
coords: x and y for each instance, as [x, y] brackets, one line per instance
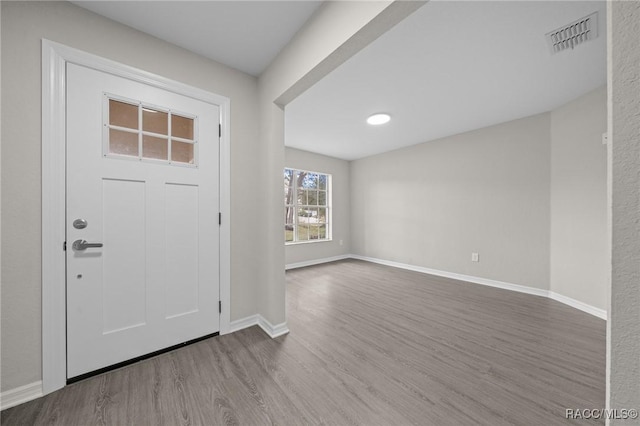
[79, 223]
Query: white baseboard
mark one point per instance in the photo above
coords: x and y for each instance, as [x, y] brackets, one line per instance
[316, 261]
[456, 276]
[243, 323]
[600, 313]
[19, 395]
[272, 330]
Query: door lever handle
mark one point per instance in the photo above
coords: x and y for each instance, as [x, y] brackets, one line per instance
[83, 245]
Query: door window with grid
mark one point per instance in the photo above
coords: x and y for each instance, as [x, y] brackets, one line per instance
[307, 204]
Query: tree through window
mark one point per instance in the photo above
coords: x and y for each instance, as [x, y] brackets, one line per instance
[306, 206]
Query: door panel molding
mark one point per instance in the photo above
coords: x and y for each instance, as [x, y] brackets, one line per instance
[55, 57]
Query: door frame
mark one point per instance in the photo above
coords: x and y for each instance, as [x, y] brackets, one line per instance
[55, 57]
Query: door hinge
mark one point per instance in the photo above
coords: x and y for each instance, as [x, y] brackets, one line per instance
[64, 246]
[219, 218]
[220, 306]
[219, 130]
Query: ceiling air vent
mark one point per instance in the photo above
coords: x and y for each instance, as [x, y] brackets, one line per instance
[573, 34]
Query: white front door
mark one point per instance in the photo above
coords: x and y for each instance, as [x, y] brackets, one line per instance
[142, 219]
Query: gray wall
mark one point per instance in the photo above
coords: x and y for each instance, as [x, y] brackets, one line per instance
[623, 344]
[433, 204]
[579, 200]
[528, 195]
[23, 26]
[339, 170]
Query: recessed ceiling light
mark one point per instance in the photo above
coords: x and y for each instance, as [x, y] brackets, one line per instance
[377, 119]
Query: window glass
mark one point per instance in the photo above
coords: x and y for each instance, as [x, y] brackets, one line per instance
[181, 127]
[155, 121]
[122, 114]
[123, 143]
[157, 148]
[182, 152]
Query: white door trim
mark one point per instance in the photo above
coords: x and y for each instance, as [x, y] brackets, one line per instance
[55, 56]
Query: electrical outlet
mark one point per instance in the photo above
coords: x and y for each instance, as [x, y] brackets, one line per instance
[475, 257]
[341, 242]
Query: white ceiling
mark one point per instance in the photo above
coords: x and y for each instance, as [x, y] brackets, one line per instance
[450, 67]
[245, 35]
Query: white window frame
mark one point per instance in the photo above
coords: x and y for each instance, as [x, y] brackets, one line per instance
[296, 206]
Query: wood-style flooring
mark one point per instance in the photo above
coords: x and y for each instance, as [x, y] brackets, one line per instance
[369, 345]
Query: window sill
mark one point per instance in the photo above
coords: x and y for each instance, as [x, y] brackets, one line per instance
[295, 243]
